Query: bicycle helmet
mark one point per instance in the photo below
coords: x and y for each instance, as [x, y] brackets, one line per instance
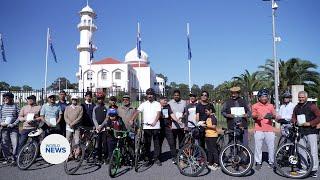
[100, 95]
[286, 95]
[112, 112]
[263, 92]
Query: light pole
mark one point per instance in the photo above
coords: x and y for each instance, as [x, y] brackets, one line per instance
[275, 39]
[59, 84]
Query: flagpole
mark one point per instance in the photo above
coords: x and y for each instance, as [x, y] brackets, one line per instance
[46, 69]
[189, 60]
[139, 64]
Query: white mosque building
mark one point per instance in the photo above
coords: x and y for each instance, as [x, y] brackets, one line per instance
[111, 74]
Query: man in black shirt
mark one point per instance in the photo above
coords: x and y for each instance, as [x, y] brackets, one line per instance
[88, 106]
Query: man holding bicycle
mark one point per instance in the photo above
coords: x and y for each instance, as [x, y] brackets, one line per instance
[307, 116]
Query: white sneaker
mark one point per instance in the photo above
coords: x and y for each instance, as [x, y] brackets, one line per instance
[301, 171]
[214, 167]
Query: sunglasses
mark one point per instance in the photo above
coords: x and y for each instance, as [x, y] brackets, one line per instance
[206, 95]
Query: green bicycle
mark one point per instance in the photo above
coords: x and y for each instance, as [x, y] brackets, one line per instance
[123, 154]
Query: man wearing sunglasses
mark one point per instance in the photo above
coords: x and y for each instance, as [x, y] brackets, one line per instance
[151, 125]
[202, 116]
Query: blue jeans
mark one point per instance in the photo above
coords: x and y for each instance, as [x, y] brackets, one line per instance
[23, 138]
[9, 138]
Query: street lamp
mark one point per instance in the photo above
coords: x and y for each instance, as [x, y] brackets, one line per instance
[275, 39]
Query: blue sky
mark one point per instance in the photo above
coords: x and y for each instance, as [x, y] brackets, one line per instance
[227, 36]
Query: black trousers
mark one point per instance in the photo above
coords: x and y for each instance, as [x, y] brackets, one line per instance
[212, 148]
[102, 146]
[178, 133]
[148, 135]
[202, 139]
[166, 132]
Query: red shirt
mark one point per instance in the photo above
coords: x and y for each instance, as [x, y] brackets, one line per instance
[260, 110]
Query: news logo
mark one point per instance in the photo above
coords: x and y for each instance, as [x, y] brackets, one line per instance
[55, 149]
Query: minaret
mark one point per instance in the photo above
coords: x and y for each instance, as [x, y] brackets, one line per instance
[86, 28]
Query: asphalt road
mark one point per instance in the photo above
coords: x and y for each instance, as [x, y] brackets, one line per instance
[41, 170]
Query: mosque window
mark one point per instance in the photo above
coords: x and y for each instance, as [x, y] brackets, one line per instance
[104, 75]
[118, 75]
[89, 75]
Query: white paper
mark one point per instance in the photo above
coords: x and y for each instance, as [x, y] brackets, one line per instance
[53, 122]
[301, 119]
[179, 115]
[8, 120]
[30, 117]
[201, 123]
[237, 111]
[165, 113]
[68, 128]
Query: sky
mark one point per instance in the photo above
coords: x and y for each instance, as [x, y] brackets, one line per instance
[227, 36]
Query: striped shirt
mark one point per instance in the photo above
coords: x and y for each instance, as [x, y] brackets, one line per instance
[9, 112]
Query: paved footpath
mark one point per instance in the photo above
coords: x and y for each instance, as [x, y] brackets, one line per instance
[168, 170]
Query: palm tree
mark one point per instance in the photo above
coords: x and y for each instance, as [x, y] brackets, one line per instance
[292, 72]
[248, 83]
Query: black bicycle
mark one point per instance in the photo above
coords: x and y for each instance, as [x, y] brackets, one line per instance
[30, 151]
[84, 151]
[139, 151]
[235, 158]
[191, 158]
[292, 159]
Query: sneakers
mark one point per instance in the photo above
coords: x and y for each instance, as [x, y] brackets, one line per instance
[258, 166]
[174, 161]
[271, 166]
[158, 162]
[301, 171]
[214, 167]
[314, 174]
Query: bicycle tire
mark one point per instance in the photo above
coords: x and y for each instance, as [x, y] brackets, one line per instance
[223, 166]
[114, 163]
[33, 149]
[203, 159]
[78, 161]
[290, 175]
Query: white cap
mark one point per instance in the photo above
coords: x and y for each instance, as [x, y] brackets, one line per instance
[51, 94]
[74, 97]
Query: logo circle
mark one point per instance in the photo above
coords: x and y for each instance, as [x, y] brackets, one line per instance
[55, 149]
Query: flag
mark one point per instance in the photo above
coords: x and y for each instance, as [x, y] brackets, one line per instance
[189, 48]
[52, 49]
[139, 43]
[91, 51]
[2, 50]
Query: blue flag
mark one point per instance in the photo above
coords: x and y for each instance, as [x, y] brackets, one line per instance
[52, 49]
[189, 48]
[139, 45]
[2, 50]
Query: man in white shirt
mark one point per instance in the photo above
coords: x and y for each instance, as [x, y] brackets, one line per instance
[151, 125]
[285, 112]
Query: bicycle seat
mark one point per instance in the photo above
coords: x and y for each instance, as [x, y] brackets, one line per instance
[35, 133]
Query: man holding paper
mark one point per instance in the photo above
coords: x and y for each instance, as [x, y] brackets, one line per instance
[50, 114]
[237, 108]
[307, 116]
[30, 116]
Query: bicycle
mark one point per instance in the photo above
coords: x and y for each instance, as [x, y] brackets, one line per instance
[292, 159]
[191, 158]
[84, 151]
[30, 151]
[139, 146]
[122, 155]
[235, 158]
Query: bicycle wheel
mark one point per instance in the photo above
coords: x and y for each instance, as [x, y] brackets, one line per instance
[236, 160]
[27, 155]
[293, 162]
[220, 143]
[137, 150]
[115, 163]
[192, 160]
[76, 157]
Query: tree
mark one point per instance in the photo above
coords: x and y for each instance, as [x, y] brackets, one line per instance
[195, 89]
[222, 91]
[15, 88]
[163, 76]
[184, 91]
[209, 88]
[4, 86]
[64, 82]
[26, 88]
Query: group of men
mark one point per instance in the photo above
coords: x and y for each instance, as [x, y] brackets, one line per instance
[167, 119]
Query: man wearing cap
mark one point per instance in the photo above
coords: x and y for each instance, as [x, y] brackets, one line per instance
[87, 107]
[30, 116]
[236, 109]
[126, 111]
[63, 103]
[263, 112]
[285, 113]
[72, 116]
[9, 113]
[190, 111]
[51, 115]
